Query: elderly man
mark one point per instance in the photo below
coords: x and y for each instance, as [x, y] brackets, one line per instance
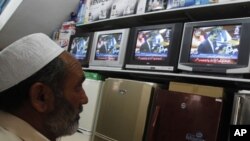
[41, 92]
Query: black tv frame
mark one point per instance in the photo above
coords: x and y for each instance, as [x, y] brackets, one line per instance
[85, 61]
[170, 64]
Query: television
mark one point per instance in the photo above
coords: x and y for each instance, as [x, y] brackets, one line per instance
[216, 46]
[154, 47]
[108, 49]
[80, 47]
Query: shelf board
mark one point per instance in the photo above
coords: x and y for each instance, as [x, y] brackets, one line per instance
[186, 14]
[173, 74]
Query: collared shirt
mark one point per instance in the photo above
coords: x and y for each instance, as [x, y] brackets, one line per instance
[13, 128]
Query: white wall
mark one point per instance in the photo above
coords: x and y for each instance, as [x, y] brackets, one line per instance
[36, 16]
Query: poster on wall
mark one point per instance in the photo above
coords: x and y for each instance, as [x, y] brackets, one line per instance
[7, 8]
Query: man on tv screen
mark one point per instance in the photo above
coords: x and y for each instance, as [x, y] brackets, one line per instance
[208, 46]
[216, 42]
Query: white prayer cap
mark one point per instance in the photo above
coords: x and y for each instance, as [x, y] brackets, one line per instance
[25, 57]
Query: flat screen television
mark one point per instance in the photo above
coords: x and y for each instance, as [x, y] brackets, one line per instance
[154, 47]
[80, 47]
[217, 46]
[109, 49]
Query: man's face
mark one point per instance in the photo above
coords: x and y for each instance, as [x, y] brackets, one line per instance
[64, 119]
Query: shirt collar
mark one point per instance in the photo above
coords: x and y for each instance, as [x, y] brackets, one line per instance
[20, 128]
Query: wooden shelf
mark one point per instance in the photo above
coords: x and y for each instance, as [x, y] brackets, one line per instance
[175, 74]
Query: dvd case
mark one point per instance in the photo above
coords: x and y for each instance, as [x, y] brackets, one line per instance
[81, 12]
[64, 37]
[155, 5]
[99, 10]
[123, 8]
[185, 3]
[151, 5]
[141, 7]
[87, 10]
[180, 3]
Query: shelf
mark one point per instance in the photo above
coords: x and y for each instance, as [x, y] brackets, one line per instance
[233, 9]
[186, 14]
[173, 74]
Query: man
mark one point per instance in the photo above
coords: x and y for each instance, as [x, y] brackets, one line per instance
[209, 46]
[41, 92]
[145, 47]
[102, 46]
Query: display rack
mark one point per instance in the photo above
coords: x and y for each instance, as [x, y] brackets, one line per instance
[234, 9]
[227, 10]
[171, 74]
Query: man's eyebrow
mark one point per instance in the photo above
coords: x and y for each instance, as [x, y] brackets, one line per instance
[83, 78]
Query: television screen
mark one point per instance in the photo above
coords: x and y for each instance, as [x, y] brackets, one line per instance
[154, 47]
[80, 47]
[215, 44]
[108, 46]
[152, 44]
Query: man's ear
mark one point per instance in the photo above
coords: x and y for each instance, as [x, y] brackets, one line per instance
[41, 97]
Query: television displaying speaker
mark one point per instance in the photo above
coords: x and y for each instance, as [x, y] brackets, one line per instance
[109, 49]
[80, 47]
[154, 47]
[217, 46]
